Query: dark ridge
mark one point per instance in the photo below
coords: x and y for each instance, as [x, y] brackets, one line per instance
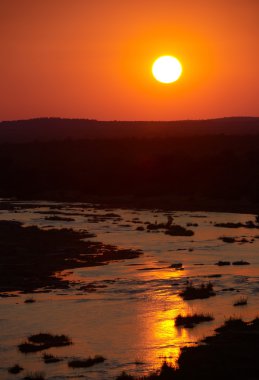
[46, 129]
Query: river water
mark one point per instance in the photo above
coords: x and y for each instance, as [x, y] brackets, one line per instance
[129, 317]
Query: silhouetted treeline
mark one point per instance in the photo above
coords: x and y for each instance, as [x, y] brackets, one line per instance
[47, 129]
[214, 167]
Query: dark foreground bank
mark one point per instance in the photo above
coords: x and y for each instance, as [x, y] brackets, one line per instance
[230, 354]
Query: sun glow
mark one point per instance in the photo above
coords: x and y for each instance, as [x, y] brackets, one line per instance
[167, 69]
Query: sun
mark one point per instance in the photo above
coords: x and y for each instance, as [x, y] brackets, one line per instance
[167, 69]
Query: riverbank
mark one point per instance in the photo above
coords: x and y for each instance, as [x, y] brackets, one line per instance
[30, 256]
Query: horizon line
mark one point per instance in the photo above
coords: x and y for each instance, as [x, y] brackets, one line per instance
[127, 121]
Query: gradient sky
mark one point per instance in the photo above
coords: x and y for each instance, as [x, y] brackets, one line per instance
[93, 58]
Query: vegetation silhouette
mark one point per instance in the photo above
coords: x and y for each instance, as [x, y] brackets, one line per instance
[189, 321]
[242, 301]
[43, 341]
[240, 262]
[49, 359]
[15, 369]
[35, 376]
[85, 363]
[170, 228]
[216, 172]
[202, 291]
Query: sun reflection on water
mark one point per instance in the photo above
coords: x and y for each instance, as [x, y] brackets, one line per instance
[166, 338]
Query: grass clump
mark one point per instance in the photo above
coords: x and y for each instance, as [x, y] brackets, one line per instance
[227, 239]
[222, 263]
[242, 301]
[34, 376]
[48, 358]
[27, 347]
[229, 225]
[240, 262]
[84, 363]
[176, 230]
[59, 218]
[15, 369]
[43, 341]
[49, 339]
[176, 266]
[189, 321]
[124, 376]
[200, 292]
[29, 300]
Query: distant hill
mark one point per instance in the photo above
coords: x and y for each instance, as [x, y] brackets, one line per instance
[49, 129]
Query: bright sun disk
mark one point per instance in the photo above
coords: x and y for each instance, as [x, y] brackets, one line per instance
[167, 69]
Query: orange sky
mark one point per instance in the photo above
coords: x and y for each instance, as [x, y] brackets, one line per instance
[93, 58]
